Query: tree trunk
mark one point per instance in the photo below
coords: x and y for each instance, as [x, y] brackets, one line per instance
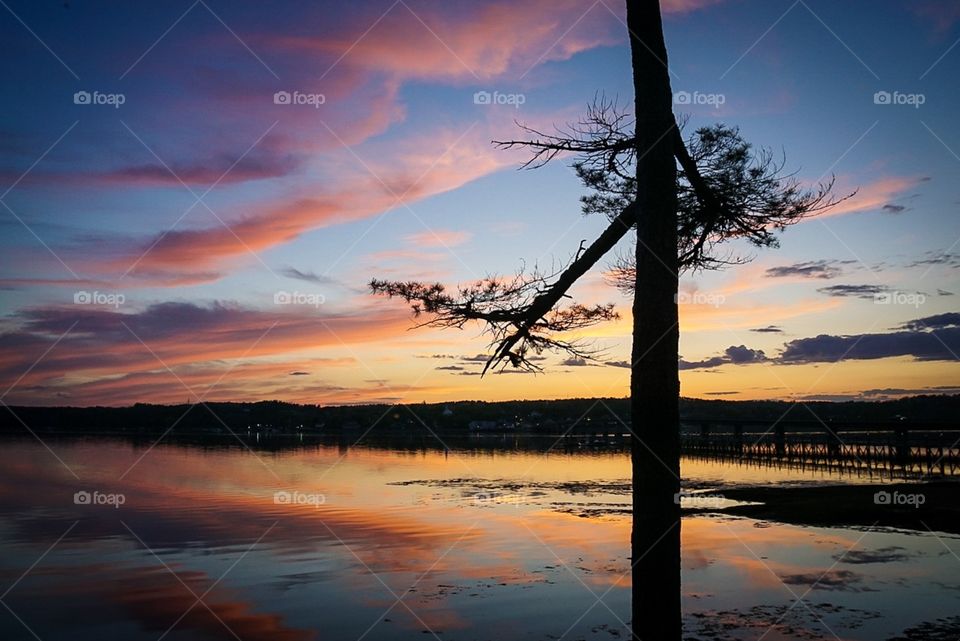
[655, 385]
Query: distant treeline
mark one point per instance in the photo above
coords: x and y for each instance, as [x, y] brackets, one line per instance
[583, 415]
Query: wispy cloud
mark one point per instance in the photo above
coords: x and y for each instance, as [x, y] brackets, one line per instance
[825, 269]
[856, 291]
[307, 276]
[437, 238]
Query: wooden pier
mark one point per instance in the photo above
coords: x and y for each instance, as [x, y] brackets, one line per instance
[899, 449]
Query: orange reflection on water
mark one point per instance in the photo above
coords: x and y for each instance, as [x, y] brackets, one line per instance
[375, 536]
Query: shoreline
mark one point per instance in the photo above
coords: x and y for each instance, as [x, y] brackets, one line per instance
[922, 506]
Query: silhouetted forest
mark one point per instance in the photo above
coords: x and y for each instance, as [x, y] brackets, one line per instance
[582, 415]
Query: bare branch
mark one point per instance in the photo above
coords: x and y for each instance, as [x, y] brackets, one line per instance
[521, 314]
[726, 191]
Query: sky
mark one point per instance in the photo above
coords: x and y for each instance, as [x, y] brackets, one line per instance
[195, 194]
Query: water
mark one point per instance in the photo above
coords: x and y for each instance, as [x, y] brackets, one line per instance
[401, 542]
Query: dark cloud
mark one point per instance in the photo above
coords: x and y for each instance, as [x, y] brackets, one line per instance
[925, 339]
[299, 374]
[624, 364]
[479, 358]
[310, 277]
[450, 368]
[769, 329]
[573, 361]
[932, 338]
[498, 372]
[858, 291]
[720, 393]
[937, 321]
[483, 358]
[884, 394]
[893, 209]
[707, 363]
[225, 168]
[824, 269]
[937, 258]
[943, 292]
[735, 354]
[741, 354]
[828, 398]
[893, 392]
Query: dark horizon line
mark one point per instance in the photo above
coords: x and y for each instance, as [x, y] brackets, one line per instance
[495, 402]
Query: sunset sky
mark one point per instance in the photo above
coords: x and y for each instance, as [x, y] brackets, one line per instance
[174, 229]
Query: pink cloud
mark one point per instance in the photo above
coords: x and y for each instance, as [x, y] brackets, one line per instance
[872, 196]
[494, 40]
[402, 174]
[486, 41]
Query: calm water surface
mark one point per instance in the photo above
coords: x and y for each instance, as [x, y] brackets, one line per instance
[326, 542]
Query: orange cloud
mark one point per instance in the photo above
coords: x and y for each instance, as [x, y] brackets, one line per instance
[123, 357]
[401, 175]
